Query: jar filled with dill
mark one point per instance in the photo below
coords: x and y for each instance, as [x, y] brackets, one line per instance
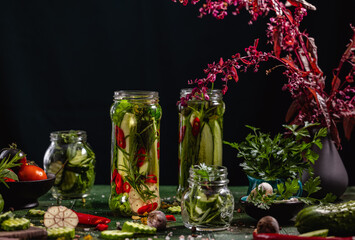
[135, 152]
[71, 159]
[208, 203]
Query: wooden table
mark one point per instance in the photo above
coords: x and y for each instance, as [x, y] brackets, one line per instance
[97, 204]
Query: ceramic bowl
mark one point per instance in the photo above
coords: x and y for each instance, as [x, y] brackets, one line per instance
[282, 211]
[25, 194]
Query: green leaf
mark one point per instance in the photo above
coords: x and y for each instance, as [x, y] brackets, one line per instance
[9, 174]
[312, 185]
[329, 198]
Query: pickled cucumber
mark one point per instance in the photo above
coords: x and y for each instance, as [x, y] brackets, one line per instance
[57, 169]
[62, 233]
[138, 228]
[13, 224]
[206, 146]
[115, 234]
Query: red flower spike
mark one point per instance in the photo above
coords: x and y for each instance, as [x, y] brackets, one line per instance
[196, 126]
[120, 137]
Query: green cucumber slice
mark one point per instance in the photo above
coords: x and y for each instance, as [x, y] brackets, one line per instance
[13, 224]
[62, 233]
[5, 216]
[206, 146]
[317, 233]
[115, 234]
[138, 228]
[35, 212]
[174, 209]
[217, 143]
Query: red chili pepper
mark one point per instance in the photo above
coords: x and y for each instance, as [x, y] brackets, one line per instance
[119, 184]
[195, 126]
[89, 219]
[142, 157]
[120, 138]
[170, 218]
[147, 208]
[126, 187]
[275, 236]
[158, 149]
[114, 175]
[9, 179]
[182, 133]
[102, 227]
[151, 179]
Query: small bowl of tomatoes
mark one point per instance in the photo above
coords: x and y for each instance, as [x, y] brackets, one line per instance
[25, 182]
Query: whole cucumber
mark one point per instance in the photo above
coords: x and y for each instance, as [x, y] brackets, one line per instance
[338, 218]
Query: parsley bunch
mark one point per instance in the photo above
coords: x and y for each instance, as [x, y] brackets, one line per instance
[281, 157]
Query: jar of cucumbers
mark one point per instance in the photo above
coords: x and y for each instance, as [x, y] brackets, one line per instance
[208, 204]
[72, 160]
[135, 152]
[200, 133]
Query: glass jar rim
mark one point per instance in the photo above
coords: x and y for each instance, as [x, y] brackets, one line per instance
[68, 135]
[214, 94]
[218, 178]
[136, 95]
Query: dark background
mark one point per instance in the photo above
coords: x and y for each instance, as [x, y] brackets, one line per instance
[61, 61]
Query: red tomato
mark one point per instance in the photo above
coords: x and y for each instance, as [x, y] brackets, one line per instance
[120, 138]
[31, 173]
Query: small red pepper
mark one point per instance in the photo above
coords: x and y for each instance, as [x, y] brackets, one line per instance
[158, 150]
[142, 157]
[195, 126]
[9, 179]
[120, 138]
[147, 208]
[89, 219]
[102, 227]
[170, 218]
[182, 133]
[126, 187]
[276, 236]
[119, 184]
[151, 179]
[114, 174]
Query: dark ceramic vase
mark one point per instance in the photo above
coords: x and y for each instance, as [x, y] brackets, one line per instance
[331, 170]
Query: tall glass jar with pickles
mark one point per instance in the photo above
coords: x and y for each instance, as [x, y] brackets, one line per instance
[135, 152]
[200, 134]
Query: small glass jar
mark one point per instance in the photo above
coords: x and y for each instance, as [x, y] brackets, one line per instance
[208, 203]
[200, 134]
[135, 152]
[72, 160]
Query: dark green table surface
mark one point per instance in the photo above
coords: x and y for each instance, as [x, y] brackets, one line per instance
[97, 204]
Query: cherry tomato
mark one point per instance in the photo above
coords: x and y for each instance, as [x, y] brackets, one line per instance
[120, 138]
[31, 173]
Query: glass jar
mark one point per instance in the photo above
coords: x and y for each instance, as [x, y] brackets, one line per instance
[208, 204]
[72, 160]
[200, 134]
[135, 152]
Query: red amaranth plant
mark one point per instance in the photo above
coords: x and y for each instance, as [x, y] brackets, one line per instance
[297, 53]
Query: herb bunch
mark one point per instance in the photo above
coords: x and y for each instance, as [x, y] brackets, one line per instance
[281, 157]
[296, 52]
[286, 190]
[6, 164]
